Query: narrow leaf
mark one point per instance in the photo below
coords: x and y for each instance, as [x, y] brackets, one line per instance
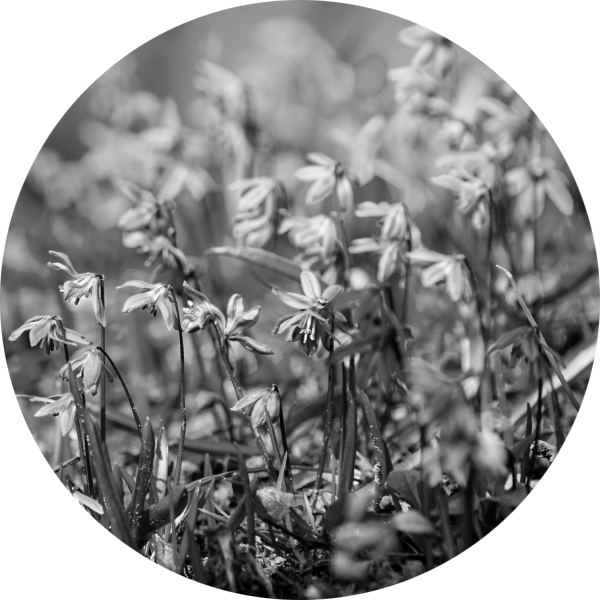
[142, 481]
[260, 258]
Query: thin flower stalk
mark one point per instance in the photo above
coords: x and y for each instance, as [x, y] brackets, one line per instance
[181, 390]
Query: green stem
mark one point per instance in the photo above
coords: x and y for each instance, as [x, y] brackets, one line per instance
[181, 391]
[103, 376]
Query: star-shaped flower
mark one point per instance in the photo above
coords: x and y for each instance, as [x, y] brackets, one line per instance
[310, 323]
[531, 185]
[61, 406]
[442, 269]
[327, 176]
[83, 285]
[153, 297]
[49, 333]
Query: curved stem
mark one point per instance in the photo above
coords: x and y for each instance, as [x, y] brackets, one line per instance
[136, 417]
[181, 391]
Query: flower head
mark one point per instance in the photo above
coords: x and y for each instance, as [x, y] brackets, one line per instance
[83, 285]
[531, 185]
[89, 367]
[327, 175]
[150, 212]
[434, 50]
[49, 333]
[442, 269]
[396, 231]
[60, 406]
[473, 194]
[316, 236]
[152, 246]
[153, 297]
[308, 325]
[259, 402]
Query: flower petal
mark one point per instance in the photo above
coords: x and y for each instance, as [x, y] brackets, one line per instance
[295, 300]
[235, 307]
[252, 345]
[310, 284]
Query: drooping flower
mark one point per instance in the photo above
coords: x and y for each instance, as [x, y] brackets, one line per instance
[89, 367]
[49, 333]
[83, 285]
[328, 176]
[531, 185]
[259, 402]
[152, 246]
[73, 505]
[473, 194]
[257, 210]
[232, 327]
[149, 212]
[153, 297]
[443, 269]
[396, 232]
[434, 50]
[317, 238]
[61, 406]
[309, 324]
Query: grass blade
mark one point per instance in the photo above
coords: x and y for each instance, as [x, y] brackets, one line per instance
[260, 258]
[113, 506]
[195, 557]
[142, 481]
[535, 538]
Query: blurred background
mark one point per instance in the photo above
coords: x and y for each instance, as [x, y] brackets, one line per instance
[245, 92]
